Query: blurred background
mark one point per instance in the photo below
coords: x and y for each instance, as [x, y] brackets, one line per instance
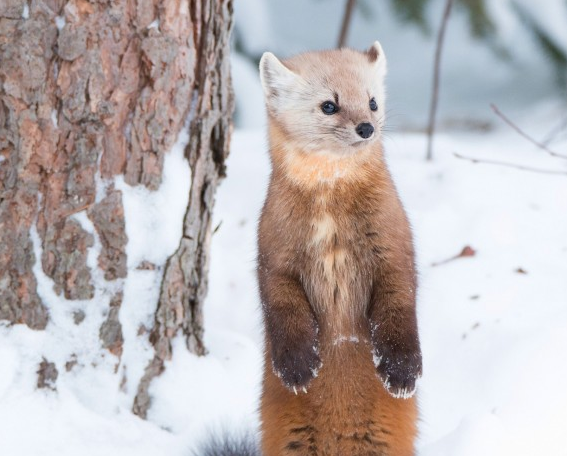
[509, 52]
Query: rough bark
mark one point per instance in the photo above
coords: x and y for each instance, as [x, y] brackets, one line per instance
[108, 219]
[184, 284]
[94, 89]
[111, 329]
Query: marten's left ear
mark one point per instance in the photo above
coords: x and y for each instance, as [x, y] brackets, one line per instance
[377, 57]
[280, 84]
[274, 75]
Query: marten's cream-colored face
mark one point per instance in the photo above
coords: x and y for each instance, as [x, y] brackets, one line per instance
[328, 101]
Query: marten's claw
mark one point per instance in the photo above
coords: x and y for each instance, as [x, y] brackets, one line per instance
[296, 368]
[398, 371]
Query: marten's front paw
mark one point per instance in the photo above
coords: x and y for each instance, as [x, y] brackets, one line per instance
[296, 365]
[398, 369]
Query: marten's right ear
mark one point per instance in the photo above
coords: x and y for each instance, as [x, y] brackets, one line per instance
[278, 81]
[377, 58]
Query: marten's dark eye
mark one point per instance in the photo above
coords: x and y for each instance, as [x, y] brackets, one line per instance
[373, 105]
[328, 107]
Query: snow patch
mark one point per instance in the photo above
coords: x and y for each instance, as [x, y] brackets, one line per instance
[315, 371]
[54, 118]
[60, 315]
[60, 22]
[154, 219]
[26, 11]
[342, 339]
[9, 363]
[154, 226]
[92, 400]
[224, 387]
[376, 359]
[154, 25]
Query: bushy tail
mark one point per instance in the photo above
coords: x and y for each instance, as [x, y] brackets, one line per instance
[226, 444]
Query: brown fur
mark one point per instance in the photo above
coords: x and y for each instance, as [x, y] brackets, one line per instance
[337, 283]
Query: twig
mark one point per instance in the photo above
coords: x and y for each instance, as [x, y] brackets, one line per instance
[436, 72]
[554, 132]
[77, 210]
[508, 165]
[346, 23]
[467, 251]
[524, 134]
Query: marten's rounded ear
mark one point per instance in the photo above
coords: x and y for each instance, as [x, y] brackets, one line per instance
[376, 55]
[274, 74]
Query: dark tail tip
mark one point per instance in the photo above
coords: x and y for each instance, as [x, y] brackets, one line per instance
[226, 444]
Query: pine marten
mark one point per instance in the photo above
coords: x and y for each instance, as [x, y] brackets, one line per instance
[335, 268]
[335, 265]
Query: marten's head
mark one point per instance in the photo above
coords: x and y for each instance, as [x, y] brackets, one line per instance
[329, 102]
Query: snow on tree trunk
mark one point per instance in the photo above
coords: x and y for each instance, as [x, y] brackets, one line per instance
[90, 91]
[185, 281]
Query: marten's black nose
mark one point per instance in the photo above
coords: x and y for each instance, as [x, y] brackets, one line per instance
[365, 130]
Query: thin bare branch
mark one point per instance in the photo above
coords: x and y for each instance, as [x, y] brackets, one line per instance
[523, 134]
[436, 73]
[508, 165]
[349, 7]
[555, 132]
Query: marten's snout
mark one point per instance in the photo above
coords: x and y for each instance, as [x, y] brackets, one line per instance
[365, 130]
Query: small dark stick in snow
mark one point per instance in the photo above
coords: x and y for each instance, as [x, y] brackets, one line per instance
[467, 251]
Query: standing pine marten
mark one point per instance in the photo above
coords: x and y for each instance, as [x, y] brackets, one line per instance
[335, 265]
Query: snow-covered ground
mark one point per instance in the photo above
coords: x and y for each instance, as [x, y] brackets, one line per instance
[493, 325]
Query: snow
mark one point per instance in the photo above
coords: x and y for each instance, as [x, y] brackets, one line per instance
[89, 412]
[154, 224]
[154, 24]
[489, 392]
[155, 218]
[196, 395]
[492, 337]
[54, 118]
[60, 22]
[342, 339]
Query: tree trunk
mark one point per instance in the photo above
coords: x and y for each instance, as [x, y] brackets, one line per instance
[91, 90]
